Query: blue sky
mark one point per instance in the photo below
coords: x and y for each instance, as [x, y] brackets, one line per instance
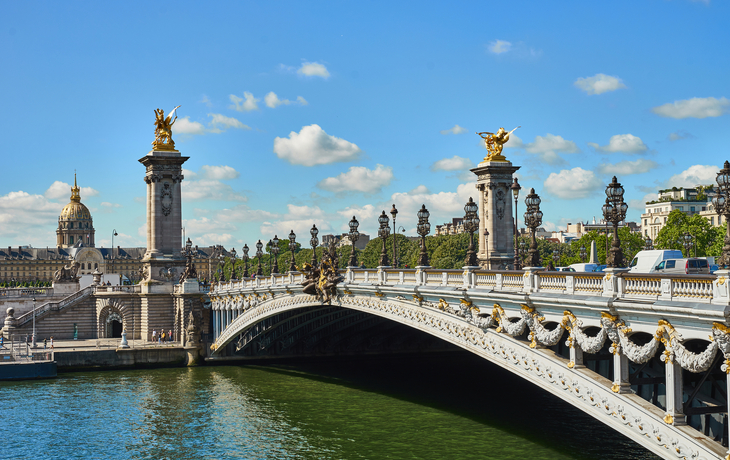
[294, 113]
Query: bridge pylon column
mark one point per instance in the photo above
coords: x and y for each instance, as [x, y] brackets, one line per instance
[576, 352]
[620, 370]
[674, 390]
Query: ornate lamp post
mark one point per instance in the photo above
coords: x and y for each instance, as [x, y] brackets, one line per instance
[189, 253]
[583, 253]
[721, 202]
[533, 219]
[687, 241]
[383, 234]
[221, 259]
[275, 252]
[423, 228]
[314, 242]
[515, 187]
[393, 213]
[114, 233]
[354, 236]
[471, 224]
[556, 257]
[614, 211]
[33, 344]
[259, 255]
[292, 247]
[245, 260]
[648, 244]
[233, 265]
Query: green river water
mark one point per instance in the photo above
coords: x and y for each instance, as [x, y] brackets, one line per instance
[446, 406]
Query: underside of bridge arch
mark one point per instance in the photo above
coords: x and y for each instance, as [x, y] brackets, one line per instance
[330, 331]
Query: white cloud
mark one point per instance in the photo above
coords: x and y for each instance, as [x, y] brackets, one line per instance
[219, 172]
[694, 175]
[359, 179]
[313, 146]
[679, 135]
[244, 105]
[243, 213]
[61, 190]
[442, 206]
[364, 213]
[220, 123]
[627, 143]
[599, 83]
[625, 168]
[549, 146]
[697, 107]
[455, 130]
[27, 219]
[300, 219]
[571, 184]
[185, 126]
[273, 101]
[313, 69]
[205, 100]
[514, 142]
[499, 46]
[106, 204]
[455, 163]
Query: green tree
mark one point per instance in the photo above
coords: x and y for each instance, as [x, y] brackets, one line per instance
[678, 225]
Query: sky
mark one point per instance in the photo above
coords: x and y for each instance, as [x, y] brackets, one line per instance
[302, 113]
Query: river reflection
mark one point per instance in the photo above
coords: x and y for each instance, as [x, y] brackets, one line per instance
[445, 406]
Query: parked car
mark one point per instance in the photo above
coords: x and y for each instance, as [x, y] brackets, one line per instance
[583, 267]
[684, 266]
[599, 268]
[565, 269]
[647, 261]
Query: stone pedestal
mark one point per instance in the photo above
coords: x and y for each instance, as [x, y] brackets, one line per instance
[65, 288]
[496, 249]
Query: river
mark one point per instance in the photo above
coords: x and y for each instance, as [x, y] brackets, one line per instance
[445, 406]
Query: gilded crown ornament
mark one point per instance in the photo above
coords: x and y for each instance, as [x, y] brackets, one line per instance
[163, 129]
[494, 142]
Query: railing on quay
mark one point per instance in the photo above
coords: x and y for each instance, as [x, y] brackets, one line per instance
[133, 288]
[618, 284]
[66, 302]
[27, 292]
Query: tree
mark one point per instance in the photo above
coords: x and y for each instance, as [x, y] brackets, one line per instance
[672, 235]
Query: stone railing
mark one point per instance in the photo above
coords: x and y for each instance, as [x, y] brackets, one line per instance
[66, 302]
[27, 292]
[133, 289]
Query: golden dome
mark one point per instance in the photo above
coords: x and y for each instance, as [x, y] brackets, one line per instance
[75, 209]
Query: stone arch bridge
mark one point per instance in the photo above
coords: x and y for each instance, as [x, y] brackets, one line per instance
[647, 355]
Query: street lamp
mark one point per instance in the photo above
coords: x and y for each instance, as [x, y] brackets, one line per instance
[648, 244]
[233, 265]
[33, 344]
[114, 233]
[583, 253]
[314, 242]
[221, 264]
[687, 241]
[393, 213]
[275, 252]
[556, 257]
[383, 234]
[471, 223]
[245, 260]
[292, 247]
[533, 219]
[614, 211]
[259, 254]
[515, 187]
[423, 228]
[721, 203]
[354, 236]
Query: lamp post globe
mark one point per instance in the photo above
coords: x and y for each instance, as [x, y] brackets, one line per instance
[354, 235]
[314, 242]
[383, 233]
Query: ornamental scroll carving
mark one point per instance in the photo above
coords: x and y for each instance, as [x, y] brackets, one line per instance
[166, 199]
[500, 203]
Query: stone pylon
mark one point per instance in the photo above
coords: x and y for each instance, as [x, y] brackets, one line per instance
[496, 216]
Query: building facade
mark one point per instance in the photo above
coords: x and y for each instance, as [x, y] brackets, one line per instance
[690, 201]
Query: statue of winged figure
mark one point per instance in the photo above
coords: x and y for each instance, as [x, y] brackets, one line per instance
[163, 129]
[495, 142]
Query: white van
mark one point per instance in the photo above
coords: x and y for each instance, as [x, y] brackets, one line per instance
[684, 266]
[646, 261]
[584, 267]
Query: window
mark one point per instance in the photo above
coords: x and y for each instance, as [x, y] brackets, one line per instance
[71, 225]
[670, 263]
[692, 209]
[712, 221]
[681, 208]
[71, 240]
[665, 220]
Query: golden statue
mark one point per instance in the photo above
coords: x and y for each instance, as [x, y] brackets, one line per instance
[163, 129]
[495, 142]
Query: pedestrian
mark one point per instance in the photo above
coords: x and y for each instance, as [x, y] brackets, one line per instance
[51, 342]
[2, 341]
[159, 338]
[45, 342]
[169, 336]
[154, 335]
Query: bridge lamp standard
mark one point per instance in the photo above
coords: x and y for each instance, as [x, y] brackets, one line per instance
[614, 211]
[259, 255]
[393, 213]
[354, 235]
[471, 224]
[33, 344]
[556, 257]
[314, 242]
[274, 249]
[114, 233]
[245, 260]
[721, 202]
[423, 228]
[583, 253]
[292, 248]
[233, 265]
[515, 187]
[221, 264]
[648, 244]
[383, 234]
[533, 219]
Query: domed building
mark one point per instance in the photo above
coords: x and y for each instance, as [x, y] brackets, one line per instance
[75, 224]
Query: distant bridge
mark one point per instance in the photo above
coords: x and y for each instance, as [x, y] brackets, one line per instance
[646, 354]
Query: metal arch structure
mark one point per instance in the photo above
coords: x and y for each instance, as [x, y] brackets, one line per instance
[487, 313]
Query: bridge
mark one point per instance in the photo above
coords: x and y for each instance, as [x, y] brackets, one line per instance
[645, 354]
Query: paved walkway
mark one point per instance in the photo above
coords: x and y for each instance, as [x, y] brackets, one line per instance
[102, 344]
